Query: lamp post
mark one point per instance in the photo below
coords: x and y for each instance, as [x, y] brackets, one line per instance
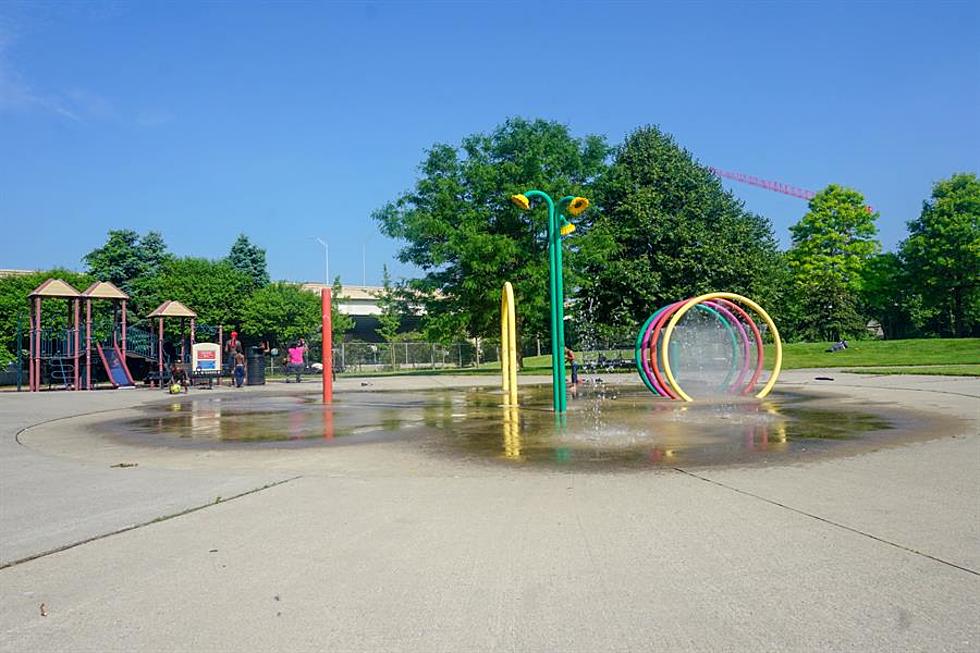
[558, 226]
[326, 260]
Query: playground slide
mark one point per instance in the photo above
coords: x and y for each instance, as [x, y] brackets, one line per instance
[115, 366]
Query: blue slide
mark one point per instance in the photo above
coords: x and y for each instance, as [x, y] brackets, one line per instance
[115, 366]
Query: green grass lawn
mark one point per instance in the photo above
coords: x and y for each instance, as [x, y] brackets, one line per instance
[949, 356]
[883, 353]
[871, 353]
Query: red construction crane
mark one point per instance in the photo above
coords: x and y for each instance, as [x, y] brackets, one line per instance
[776, 186]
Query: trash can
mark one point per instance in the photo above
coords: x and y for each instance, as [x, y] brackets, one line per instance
[255, 366]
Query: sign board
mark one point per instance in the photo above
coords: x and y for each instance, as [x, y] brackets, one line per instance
[206, 356]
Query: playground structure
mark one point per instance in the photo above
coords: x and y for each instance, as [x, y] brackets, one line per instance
[657, 358]
[508, 345]
[63, 355]
[172, 309]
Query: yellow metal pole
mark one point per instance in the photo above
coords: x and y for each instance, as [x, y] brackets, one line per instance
[508, 345]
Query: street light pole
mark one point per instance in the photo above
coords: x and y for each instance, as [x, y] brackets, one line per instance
[326, 260]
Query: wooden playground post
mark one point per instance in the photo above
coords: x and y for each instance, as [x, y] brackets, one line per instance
[124, 329]
[327, 353]
[37, 349]
[160, 349]
[76, 344]
[88, 343]
[30, 344]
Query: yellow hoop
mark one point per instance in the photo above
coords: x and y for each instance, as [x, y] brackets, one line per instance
[665, 341]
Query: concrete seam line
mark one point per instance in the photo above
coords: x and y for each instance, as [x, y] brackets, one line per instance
[155, 520]
[828, 521]
[61, 419]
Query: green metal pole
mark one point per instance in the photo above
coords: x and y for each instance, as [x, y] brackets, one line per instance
[554, 283]
[559, 308]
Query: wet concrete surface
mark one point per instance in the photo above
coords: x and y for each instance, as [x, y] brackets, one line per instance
[607, 426]
[414, 542]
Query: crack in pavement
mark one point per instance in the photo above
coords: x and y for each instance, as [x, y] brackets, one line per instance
[156, 520]
[827, 521]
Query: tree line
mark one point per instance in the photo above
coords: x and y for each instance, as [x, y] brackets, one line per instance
[662, 227]
[233, 292]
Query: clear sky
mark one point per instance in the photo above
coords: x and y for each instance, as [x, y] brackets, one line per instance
[289, 121]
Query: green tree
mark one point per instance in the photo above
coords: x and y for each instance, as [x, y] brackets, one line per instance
[14, 306]
[886, 296]
[832, 246]
[126, 258]
[340, 323]
[214, 290]
[390, 319]
[459, 227]
[942, 255]
[281, 313]
[664, 229]
[249, 259]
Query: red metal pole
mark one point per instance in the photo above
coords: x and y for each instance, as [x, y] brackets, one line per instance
[327, 355]
[88, 343]
[78, 312]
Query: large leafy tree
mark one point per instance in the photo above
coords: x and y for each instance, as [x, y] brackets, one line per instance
[250, 259]
[458, 225]
[665, 229]
[832, 247]
[942, 255]
[215, 290]
[281, 313]
[126, 258]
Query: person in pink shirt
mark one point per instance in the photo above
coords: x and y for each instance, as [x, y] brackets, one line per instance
[296, 353]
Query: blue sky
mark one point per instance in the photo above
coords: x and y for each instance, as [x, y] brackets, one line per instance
[289, 121]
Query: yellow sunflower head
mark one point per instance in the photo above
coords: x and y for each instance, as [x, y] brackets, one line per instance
[521, 202]
[578, 205]
[567, 228]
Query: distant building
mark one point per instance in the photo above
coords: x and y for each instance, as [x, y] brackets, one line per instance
[15, 273]
[361, 303]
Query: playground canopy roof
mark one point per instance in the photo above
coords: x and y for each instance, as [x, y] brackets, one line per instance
[104, 290]
[55, 288]
[172, 309]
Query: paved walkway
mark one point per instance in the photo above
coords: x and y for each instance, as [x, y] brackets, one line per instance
[373, 551]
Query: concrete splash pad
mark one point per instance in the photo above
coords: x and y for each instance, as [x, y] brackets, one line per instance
[607, 426]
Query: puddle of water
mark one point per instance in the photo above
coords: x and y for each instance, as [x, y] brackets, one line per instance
[606, 425]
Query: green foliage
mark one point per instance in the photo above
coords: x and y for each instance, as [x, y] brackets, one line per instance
[460, 228]
[942, 256]
[832, 246]
[14, 306]
[214, 290]
[665, 229]
[126, 259]
[249, 259]
[281, 313]
[390, 320]
[340, 323]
